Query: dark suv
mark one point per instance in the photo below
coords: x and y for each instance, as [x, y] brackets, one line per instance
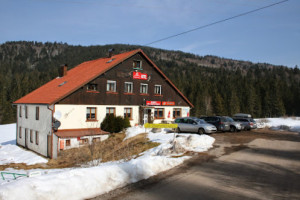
[220, 122]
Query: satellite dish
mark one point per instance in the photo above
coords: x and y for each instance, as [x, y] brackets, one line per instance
[56, 125]
[57, 114]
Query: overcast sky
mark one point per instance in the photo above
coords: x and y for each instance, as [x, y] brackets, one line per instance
[271, 35]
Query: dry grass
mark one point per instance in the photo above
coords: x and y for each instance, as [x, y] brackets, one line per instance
[114, 148]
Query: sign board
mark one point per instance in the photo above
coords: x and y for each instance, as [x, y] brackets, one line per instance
[147, 125]
[34, 173]
[168, 103]
[139, 75]
[153, 103]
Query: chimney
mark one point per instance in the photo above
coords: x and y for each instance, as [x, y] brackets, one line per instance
[110, 52]
[63, 70]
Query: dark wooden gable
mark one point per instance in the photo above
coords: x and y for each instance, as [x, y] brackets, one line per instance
[121, 73]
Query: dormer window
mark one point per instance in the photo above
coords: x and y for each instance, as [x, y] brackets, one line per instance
[92, 87]
[137, 64]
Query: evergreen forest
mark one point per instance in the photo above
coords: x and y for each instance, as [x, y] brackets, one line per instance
[216, 86]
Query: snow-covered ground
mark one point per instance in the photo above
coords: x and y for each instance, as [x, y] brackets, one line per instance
[10, 153]
[87, 182]
[289, 123]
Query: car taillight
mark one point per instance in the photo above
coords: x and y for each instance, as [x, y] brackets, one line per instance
[251, 124]
[221, 122]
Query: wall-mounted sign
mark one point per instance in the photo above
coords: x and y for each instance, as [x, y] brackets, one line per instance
[139, 75]
[168, 103]
[153, 103]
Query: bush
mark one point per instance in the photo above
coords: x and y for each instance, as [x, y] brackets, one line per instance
[114, 124]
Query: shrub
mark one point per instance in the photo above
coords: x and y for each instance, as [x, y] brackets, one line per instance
[114, 124]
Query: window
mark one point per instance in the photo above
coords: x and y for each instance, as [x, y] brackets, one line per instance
[159, 113]
[137, 64]
[157, 89]
[176, 112]
[110, 111]
[37, 113]
[68, 143]
[20, 111]
[91, 113]
[128, 87]
[83, 141]
[111, 86]
[20, 132]
[144, 88]
[26, 112]
[128, 113]
[96, 139]
[92, 87]
[31, 136]
[36, 137]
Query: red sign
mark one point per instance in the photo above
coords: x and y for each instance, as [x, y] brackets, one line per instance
[168, 103]
[153, 103]
[139, 75]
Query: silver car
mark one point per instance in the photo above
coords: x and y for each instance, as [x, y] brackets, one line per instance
[194, 125]
[234, 126]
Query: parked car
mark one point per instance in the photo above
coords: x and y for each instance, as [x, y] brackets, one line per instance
[234, 126]
[220, 122]
[248, 123]
[194, 125]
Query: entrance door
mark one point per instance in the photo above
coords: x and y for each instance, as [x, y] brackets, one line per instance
[147, 116]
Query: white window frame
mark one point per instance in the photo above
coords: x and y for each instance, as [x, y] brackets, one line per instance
[126, 88]
[140, 63]
[141, 88]
[108, 86]
[155, 89]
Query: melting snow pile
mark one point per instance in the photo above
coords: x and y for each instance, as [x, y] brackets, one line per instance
[82, 183]
[289, 124]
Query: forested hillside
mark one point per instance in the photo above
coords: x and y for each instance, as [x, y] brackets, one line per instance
[214, 85]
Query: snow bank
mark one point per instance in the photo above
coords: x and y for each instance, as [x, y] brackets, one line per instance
[87, 182]
[290, 124]
[177, 144]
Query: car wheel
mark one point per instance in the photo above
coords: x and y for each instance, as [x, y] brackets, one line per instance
[232, 129]
[201, 131]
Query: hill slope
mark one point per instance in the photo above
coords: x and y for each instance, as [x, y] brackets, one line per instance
[214, 85]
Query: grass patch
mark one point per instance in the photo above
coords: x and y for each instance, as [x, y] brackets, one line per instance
[112, 149]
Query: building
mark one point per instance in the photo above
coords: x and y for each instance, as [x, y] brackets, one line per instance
[67, 111]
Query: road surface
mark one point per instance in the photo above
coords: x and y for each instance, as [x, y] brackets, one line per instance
[244, 165]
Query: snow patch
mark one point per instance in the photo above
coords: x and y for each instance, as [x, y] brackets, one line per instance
[288, 124]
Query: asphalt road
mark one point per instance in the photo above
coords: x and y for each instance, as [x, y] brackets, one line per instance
[245, 165]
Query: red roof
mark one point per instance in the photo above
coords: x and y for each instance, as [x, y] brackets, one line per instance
[80, 133]
[60, 87]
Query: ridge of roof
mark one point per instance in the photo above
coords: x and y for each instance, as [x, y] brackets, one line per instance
[61, 87]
